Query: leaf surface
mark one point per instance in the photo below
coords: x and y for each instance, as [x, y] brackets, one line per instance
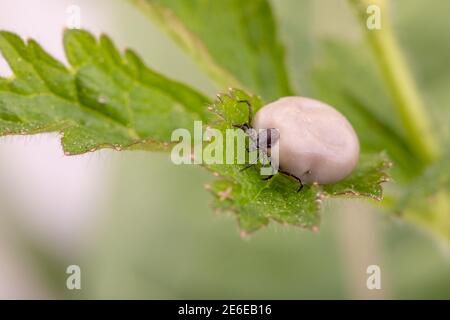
[255, 201]
[104, 99]
[235, 41]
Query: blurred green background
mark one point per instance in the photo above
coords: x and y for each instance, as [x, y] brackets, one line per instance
[153, 234]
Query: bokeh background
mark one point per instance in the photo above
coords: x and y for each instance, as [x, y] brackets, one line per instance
[140, 227]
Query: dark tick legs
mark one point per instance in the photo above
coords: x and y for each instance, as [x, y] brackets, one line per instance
[248, 126]
[286, 174]
[251, 164]
[292, 176]
[248, 166]
[250, 110]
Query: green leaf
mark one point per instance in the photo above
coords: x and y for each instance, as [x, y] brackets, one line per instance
[235, 41]
[256, 202]
[366, 180]
[107, 99]
[104, 99]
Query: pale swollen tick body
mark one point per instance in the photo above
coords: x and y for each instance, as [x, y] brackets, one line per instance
[316, 143]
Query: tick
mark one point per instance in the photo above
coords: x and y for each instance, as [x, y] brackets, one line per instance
[317, 144]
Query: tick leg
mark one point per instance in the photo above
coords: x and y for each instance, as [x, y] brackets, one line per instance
[268, 177]
[243, 127]
[292, 176]
[250, 109]
[247, 166]
[251, 164]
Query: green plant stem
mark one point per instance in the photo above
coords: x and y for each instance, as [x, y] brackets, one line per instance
[408, 103]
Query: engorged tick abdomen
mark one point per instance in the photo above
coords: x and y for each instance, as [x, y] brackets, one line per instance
[316, 144]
